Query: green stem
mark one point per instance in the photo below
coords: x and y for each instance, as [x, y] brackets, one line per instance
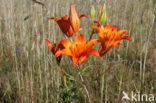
[64, 76]
[65, 81]
[102, 88]
[84, 86]
[91, 35]
[102, 85]
[70, 39]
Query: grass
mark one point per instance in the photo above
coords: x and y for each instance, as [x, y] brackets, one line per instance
[32, 75]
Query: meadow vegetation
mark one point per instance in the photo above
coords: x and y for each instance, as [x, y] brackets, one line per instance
[29, 72]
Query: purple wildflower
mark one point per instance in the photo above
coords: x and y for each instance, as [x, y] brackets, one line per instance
[35, 34]
[18, 51]
[145, 41]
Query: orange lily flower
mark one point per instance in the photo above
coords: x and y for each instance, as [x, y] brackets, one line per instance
[74, 19]
[65, 25]
[78, 50]
[53, 48]
[109, 37]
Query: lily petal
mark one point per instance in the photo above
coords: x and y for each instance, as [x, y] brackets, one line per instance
[121, 32]
[91, 43]
[51, 17]
[79, 39]
[65, 26]
[93, 52]
[103, 53]
[97, 22]
[63, 52]
[110, 27]
[127, 37]
[100, 48]
[65, 43]
[83, 15]
[65, 18]
[75, 61]
[82, 59]
[50, 45]
[120, 45]
[96, 28]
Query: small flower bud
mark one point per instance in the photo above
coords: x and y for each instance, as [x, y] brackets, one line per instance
[92, 13]
[103, 7]
[103, 17]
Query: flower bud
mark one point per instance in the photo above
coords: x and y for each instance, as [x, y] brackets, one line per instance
[103, 17]
[74, 19]
[92, 13]
[103, 7]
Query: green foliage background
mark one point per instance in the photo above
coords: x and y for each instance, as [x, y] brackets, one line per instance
[32, 76]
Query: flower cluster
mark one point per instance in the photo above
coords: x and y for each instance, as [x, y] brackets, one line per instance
[79, 50]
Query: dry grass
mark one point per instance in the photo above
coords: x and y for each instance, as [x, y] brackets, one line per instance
[32, 74]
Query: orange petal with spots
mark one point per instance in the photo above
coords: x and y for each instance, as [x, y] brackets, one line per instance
[79, 39]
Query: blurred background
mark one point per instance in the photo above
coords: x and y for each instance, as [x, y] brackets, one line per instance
[29, 72]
